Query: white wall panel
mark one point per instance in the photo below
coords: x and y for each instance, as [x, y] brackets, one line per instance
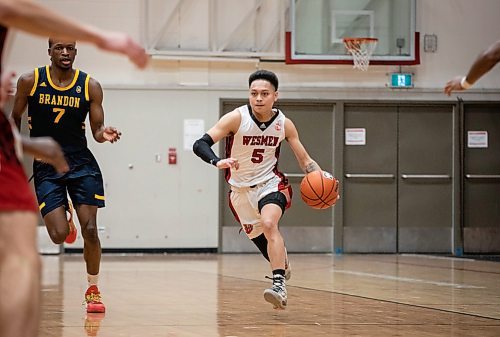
[152, 204]
[464, 28]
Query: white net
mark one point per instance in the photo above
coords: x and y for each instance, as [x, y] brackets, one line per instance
[361, 50]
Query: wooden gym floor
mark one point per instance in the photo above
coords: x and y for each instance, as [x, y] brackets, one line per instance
[221, 295]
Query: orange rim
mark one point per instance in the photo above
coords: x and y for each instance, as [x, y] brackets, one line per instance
[360, 39]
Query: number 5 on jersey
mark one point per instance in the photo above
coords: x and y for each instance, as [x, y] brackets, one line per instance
[257, 156]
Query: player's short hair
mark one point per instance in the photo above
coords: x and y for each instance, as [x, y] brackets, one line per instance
[52, 40]
[265, 75]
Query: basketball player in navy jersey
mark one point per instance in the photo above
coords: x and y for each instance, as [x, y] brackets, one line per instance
[259, 192]
[59, 98]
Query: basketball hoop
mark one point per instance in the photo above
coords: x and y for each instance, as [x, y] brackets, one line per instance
[361, 49]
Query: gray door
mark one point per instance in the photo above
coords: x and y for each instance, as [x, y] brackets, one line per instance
[398, 185]
[481, 184]
[304, 229]
[425, 187]
[370, 189]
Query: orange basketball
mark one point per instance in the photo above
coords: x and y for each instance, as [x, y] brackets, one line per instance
[319, 189]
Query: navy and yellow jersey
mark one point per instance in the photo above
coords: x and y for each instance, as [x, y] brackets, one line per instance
[59, 112]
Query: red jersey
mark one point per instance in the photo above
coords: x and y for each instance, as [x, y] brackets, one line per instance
[15, 193]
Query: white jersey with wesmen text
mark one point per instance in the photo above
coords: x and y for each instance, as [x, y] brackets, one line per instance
[256, 145]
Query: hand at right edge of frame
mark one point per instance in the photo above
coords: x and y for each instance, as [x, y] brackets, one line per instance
[453, 85]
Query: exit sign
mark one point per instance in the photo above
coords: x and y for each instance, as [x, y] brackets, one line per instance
[401, 80]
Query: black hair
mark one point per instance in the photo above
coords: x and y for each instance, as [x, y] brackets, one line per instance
[52, 40]
[265, 75]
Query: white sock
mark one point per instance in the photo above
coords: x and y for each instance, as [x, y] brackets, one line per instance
[92, 279]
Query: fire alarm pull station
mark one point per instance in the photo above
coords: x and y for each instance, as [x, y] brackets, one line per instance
[172, 156]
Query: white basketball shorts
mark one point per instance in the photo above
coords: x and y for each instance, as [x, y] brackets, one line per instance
[244, 203]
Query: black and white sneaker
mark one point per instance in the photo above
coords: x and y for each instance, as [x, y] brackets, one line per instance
[276, 295]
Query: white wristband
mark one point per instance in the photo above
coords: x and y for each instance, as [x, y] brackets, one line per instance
[464, 84]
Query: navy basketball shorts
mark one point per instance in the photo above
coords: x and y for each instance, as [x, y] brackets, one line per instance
[83, 182]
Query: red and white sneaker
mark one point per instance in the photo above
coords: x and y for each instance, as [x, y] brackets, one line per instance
[93, 300]
[72, 228]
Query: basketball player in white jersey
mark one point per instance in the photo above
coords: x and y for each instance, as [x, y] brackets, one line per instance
[259, 192]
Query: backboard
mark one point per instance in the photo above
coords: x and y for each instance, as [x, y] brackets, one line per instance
[318, 27]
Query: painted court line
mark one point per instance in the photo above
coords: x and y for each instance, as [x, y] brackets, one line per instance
[408, 279]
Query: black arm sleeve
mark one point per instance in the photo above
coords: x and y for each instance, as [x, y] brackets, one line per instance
[203, 149]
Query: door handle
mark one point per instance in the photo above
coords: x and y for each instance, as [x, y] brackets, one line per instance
[294, 175]
[369, 175]
[425, 176]
[482, 176]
